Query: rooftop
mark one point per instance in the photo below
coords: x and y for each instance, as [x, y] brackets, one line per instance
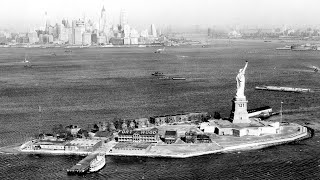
[255, 122]
[83, 142]
[170, 133]
[132, 145]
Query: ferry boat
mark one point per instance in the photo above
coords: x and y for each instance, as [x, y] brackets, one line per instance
[302, 48]
[97, 163]
[287, 47]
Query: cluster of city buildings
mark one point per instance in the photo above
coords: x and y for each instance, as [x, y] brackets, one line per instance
[83, 32]
[276, 32]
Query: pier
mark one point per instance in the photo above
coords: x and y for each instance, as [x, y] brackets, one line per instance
[83, 166]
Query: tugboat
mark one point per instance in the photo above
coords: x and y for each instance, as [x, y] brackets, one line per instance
[157, 74]
[97, 163]
[160, 50]
[27, 63]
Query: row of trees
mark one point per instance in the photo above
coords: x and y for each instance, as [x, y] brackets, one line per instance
[105, 129]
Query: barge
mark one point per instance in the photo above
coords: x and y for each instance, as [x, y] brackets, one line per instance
[285, 89]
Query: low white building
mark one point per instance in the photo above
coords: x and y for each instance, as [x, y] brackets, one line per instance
[268, 130]
[240, 132]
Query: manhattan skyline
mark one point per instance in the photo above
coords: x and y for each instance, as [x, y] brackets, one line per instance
[22, 15]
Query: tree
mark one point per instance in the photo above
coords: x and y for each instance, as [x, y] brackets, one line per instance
[147, 123]
[58, 130]
[128, 123]
[124, 126]
[83, 133]
[116, 124]
[216, 115]
[108, 126]
[135, 123]
[132, 125]
[112, 127]
[95, 127]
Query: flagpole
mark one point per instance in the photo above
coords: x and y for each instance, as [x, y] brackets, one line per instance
[39, 108]
[281, 112]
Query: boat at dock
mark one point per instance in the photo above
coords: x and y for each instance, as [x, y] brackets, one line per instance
[286, 89]
[97, 163]
[92, 163]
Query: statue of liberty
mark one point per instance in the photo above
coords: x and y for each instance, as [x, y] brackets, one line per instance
[241, 82]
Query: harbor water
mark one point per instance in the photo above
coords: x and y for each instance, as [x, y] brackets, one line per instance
[91, 85]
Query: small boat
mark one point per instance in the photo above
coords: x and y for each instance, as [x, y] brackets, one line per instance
[165, 78]
[160, 50]
[178, 78]
[26, 63]
[157, 74]
[97, 163]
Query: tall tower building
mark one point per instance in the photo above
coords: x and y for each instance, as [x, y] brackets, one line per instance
[78, 30]
[103, 20]
[153, 30]
[77, 36]
[123, 18]
[47, 22]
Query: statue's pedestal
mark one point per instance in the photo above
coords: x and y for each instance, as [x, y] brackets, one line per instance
[239, 112]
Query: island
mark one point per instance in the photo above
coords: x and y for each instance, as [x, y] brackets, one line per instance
[172, 136]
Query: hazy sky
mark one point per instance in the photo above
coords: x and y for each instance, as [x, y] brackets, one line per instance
[25, 14]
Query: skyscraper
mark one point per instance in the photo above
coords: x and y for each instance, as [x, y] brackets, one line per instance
[78, 28]
[33, 37]
[86, 38]
[103, 20]
[47, 23]
[77, 36]
[63, 35]
[126, 30]
[153, 31]
[123, 18]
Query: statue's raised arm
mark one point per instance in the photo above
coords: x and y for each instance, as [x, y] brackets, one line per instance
[245, 67]
[241, 81]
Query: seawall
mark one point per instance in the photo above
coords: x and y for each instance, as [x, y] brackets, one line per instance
[304, 133]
